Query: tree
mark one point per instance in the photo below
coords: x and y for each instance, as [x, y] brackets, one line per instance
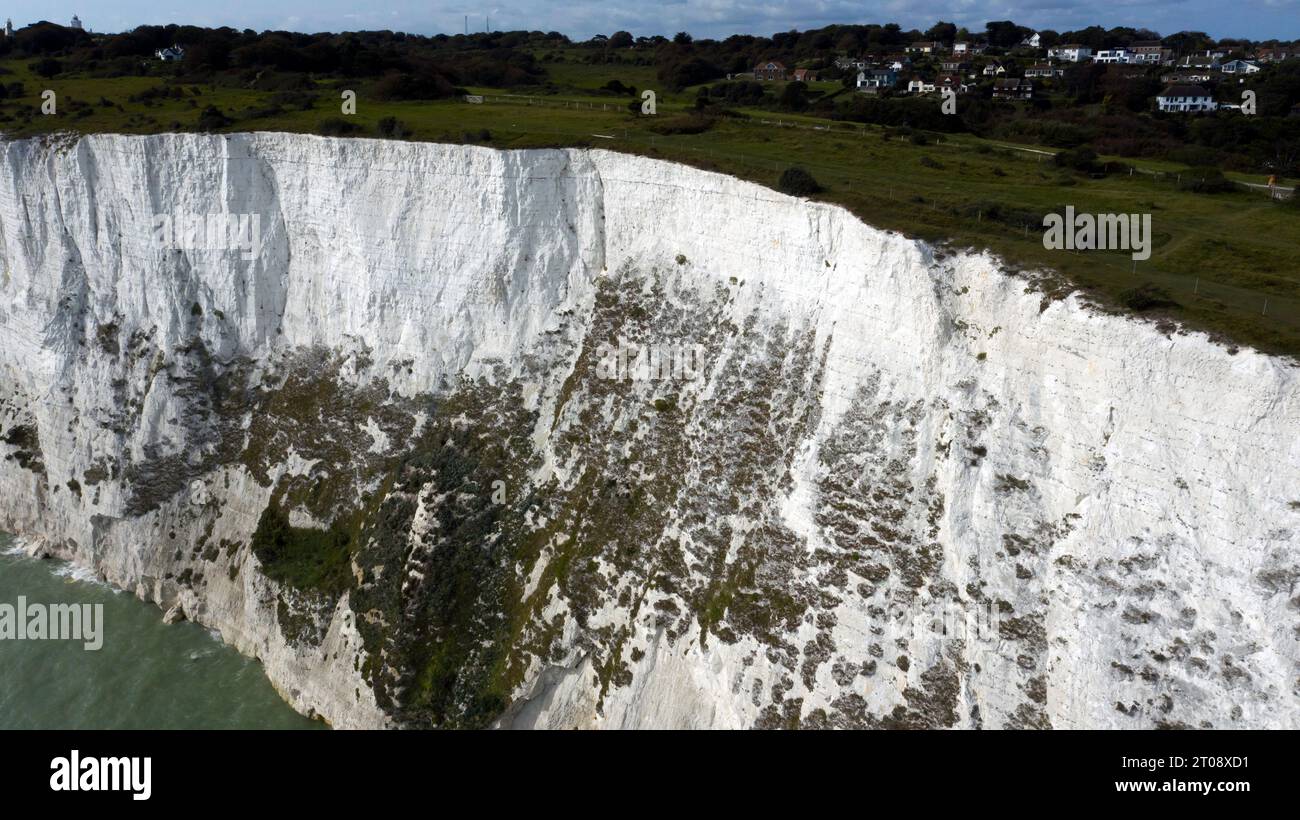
[620, 39]
[1005, 34]
[794, 97]
[681, 38]
[942, 32]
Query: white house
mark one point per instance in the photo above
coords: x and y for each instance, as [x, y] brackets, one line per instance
[1072, 53]
[1032, 41]
[1114, 55]
[1238, 67]
[1185, 98]
[917, 85]
[168, 55]
[967, 48]
[994, 69]
[1043, 70]
[876, 79]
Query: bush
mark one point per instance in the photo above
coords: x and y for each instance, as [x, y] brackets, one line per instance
[797, 182]
[46, 68]
[1205, 181]
[336, 127]
[212, 119]
[1082, 159]
[1146, 297]
[392, 128]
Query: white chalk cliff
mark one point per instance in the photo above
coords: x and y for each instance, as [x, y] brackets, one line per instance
[905, 490]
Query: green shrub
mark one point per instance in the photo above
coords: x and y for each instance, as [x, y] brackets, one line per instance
[392, 128]
[211, 119]
[303, 558]
[1205, 180]
[797, 182]
[1147, 297]
[336, 127]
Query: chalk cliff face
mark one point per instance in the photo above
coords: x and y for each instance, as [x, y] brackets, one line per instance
[385, 453]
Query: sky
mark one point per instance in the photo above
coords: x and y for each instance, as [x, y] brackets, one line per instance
[1256, 19]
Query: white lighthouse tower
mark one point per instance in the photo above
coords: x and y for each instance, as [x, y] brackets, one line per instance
[76, 22]
[9, 28]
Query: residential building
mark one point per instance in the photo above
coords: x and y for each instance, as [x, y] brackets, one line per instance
[967, 49]
[1045, 70]
[1275, 55]
[1239, 67]
[771, 70]
[805, 75]
[1185, 77]
[172, 54]
[1185, 98]
[877, 78]
[1113, 55]
[994, 69]
[1150, 52]
[1071, 53]
[925, 47]
[920, 85]
[1012, 88]
[956, 66]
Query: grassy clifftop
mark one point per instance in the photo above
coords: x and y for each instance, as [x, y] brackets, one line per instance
[1223, 262]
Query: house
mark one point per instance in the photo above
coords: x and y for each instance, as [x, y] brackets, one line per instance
[968, 49]
[172, 54]
[951, 81]
[877, 78]
[925, 47]
[1150, 52]
[805, 75]
[850, 64]
[1046, 70]
[1032, 41]
[1238, 67]
[771, 70]
[956, 66]
[898, 62]
[1182, 98]
[919, 85]
[1274, 55]
[1193, 77]
[1012, 88]
[1071, 53]
[994, 69]
[1113, 55]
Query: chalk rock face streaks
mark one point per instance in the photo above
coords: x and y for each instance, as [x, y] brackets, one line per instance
[378, 449]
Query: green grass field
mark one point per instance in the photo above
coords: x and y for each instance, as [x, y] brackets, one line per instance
[1229, 260]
